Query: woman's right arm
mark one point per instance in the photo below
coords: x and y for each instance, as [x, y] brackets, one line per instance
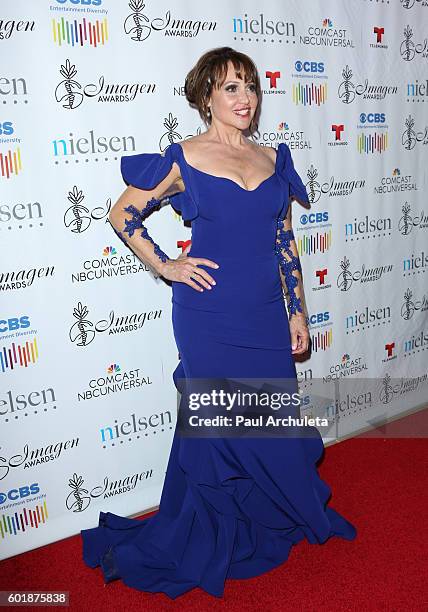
[126, 217]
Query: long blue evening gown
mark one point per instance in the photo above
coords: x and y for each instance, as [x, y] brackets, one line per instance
[230, 507]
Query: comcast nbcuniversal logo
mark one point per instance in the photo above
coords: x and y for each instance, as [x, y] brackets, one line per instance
[84, 330]
[109, 265]
[114, 379]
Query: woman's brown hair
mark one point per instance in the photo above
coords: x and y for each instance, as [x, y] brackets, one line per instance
[211, 70]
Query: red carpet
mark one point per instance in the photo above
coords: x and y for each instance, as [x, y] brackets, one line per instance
[379, 484]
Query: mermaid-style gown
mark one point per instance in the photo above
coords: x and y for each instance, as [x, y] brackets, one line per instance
[230, 507]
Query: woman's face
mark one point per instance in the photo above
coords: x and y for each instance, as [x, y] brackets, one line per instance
[235, 103]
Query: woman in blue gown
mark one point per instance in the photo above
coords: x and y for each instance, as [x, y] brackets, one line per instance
[231, 507]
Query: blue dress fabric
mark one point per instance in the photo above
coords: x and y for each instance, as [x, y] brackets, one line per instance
[230, 507]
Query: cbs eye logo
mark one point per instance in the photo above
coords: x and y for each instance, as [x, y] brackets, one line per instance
[309, 66]
[22, 492]
[14, 323]
[372, 118]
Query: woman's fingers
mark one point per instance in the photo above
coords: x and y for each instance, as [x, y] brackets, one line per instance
[206, 262]
[294, 340]
[185, 270]
[303, 342]
[193, 284]
[299, 340]
[203, 274]
[200, 279]
[192, 273]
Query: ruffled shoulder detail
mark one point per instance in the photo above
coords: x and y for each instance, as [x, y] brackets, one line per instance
[146, 170]
[291, 180]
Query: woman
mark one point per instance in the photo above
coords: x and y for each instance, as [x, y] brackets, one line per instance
[231, 507]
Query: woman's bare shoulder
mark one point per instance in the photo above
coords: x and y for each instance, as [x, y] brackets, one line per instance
[267, 150]
[194, 143]
[196, 149]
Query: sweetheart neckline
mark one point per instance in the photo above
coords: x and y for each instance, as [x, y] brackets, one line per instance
[225, 178]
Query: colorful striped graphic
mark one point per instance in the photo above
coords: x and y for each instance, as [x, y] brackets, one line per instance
[321, 341]
[18, 355]
[19, 522]
[309, 95]
[10, 163]
[79, 32]
[318, 243]
[371, 143]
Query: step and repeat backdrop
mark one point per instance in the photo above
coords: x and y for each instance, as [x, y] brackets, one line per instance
[87, 401]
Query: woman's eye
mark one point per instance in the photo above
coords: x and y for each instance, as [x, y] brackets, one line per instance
[232, 88]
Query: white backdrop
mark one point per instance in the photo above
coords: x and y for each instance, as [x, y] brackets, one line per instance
[87, 402]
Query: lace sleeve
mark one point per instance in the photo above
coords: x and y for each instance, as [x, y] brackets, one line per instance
[145, 171]
[135, 222]
[285, 245]
[289, 263]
